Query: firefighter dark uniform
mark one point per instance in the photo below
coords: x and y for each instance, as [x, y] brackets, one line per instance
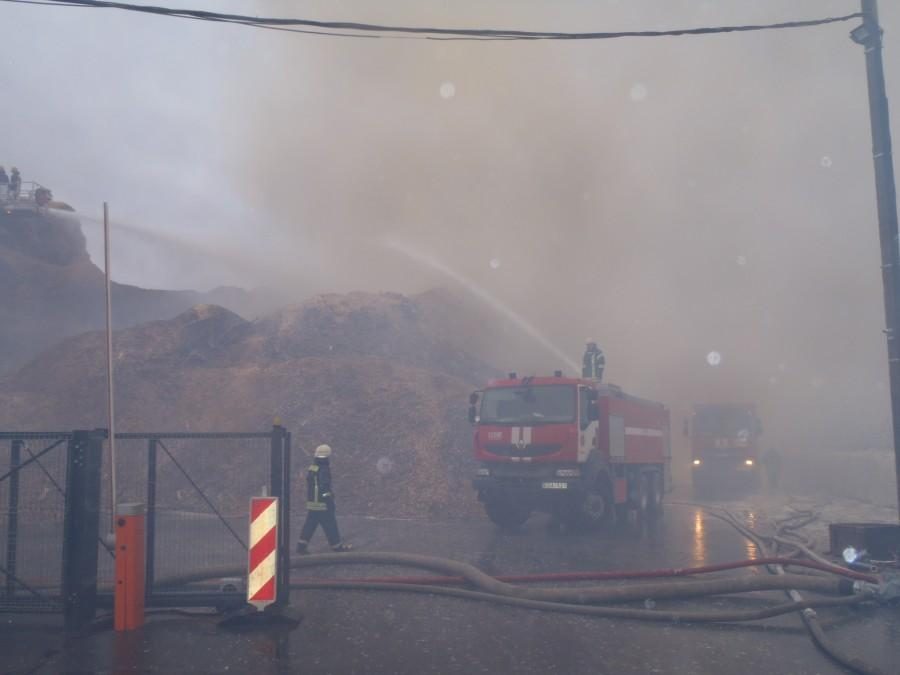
[320, 503]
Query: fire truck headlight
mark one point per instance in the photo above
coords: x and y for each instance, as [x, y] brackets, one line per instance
[748, 462]
[568, 473]
[697, 462]
[483, 472]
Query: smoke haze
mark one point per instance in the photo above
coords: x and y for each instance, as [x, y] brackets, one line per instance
[666, 197]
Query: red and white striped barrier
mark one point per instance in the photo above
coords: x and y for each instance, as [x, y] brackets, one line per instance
[263, 568]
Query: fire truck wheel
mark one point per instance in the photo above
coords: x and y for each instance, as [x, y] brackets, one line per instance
[595, 509]
[505, 514]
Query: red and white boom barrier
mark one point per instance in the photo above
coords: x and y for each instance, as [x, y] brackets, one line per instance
[262, 573]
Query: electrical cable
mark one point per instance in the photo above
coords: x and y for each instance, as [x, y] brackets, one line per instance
[393, 31]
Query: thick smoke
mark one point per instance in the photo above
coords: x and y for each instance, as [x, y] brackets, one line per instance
[668, 197]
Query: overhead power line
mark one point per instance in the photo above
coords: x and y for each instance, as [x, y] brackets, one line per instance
[368, 30]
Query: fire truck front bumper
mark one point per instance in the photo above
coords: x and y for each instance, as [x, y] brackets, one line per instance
[536, 482]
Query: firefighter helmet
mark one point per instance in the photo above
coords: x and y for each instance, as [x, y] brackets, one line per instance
[323, 452]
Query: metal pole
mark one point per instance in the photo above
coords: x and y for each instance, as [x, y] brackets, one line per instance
[150, 565]
[111, 410]
[869, 36]
[12, 517]
[284, 502]
[279, 486]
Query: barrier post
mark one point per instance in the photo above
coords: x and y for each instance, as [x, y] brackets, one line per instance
[262, 568]
[130, 567]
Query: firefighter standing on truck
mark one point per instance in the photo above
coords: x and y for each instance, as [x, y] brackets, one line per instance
[320, 503]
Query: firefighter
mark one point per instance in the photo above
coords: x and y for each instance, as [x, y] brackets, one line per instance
[320, 503]
[15, 183]
[593, 363]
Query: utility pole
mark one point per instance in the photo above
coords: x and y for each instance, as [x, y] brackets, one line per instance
[869, 36]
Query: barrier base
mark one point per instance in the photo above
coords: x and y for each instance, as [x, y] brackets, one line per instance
[249, 618]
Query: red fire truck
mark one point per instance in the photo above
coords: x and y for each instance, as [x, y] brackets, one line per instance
[724, 445]
[580, 450]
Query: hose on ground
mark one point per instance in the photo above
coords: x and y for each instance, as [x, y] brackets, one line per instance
[561, 577]
[852, 663]
[621, 575]
[585, 595]
[687, 588]
[808, 615]
[717, 616]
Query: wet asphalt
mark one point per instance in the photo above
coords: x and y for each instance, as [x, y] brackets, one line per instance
[367, 632]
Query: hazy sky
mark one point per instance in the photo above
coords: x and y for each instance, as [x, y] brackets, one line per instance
[669, 197]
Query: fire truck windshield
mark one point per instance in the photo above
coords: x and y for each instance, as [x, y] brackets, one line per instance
[546, 404]
[725, 421]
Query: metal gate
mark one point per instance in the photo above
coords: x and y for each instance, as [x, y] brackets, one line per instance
[49, 499]
[196, 488]
[55, 511]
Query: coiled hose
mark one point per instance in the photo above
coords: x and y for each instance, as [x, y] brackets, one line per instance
[807, 614]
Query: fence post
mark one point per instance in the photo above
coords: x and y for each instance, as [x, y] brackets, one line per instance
[12, 517]
[82, 528]
[151, 516]
[285, 501]
[279, 486]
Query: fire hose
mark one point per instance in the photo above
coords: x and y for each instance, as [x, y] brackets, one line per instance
[718, 616]
[852, 587]
[585, 595]
[569, 599]
[620, 575]
[808, 614]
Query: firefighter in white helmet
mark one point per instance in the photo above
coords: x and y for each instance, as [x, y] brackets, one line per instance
[320, 503]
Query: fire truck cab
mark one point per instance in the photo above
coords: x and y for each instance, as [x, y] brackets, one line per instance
[580, 450]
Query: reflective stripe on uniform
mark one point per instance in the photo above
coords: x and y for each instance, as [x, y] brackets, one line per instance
[315, 504]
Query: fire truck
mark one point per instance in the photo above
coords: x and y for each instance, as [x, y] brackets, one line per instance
[587, 453]
[724, 445]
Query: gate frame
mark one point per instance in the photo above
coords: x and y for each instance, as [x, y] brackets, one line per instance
[279, 486]
[81, 527]
[81, 520]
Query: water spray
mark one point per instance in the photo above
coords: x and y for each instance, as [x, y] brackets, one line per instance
[433, 263]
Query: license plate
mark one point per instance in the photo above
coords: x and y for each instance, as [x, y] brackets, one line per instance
[555, 486]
